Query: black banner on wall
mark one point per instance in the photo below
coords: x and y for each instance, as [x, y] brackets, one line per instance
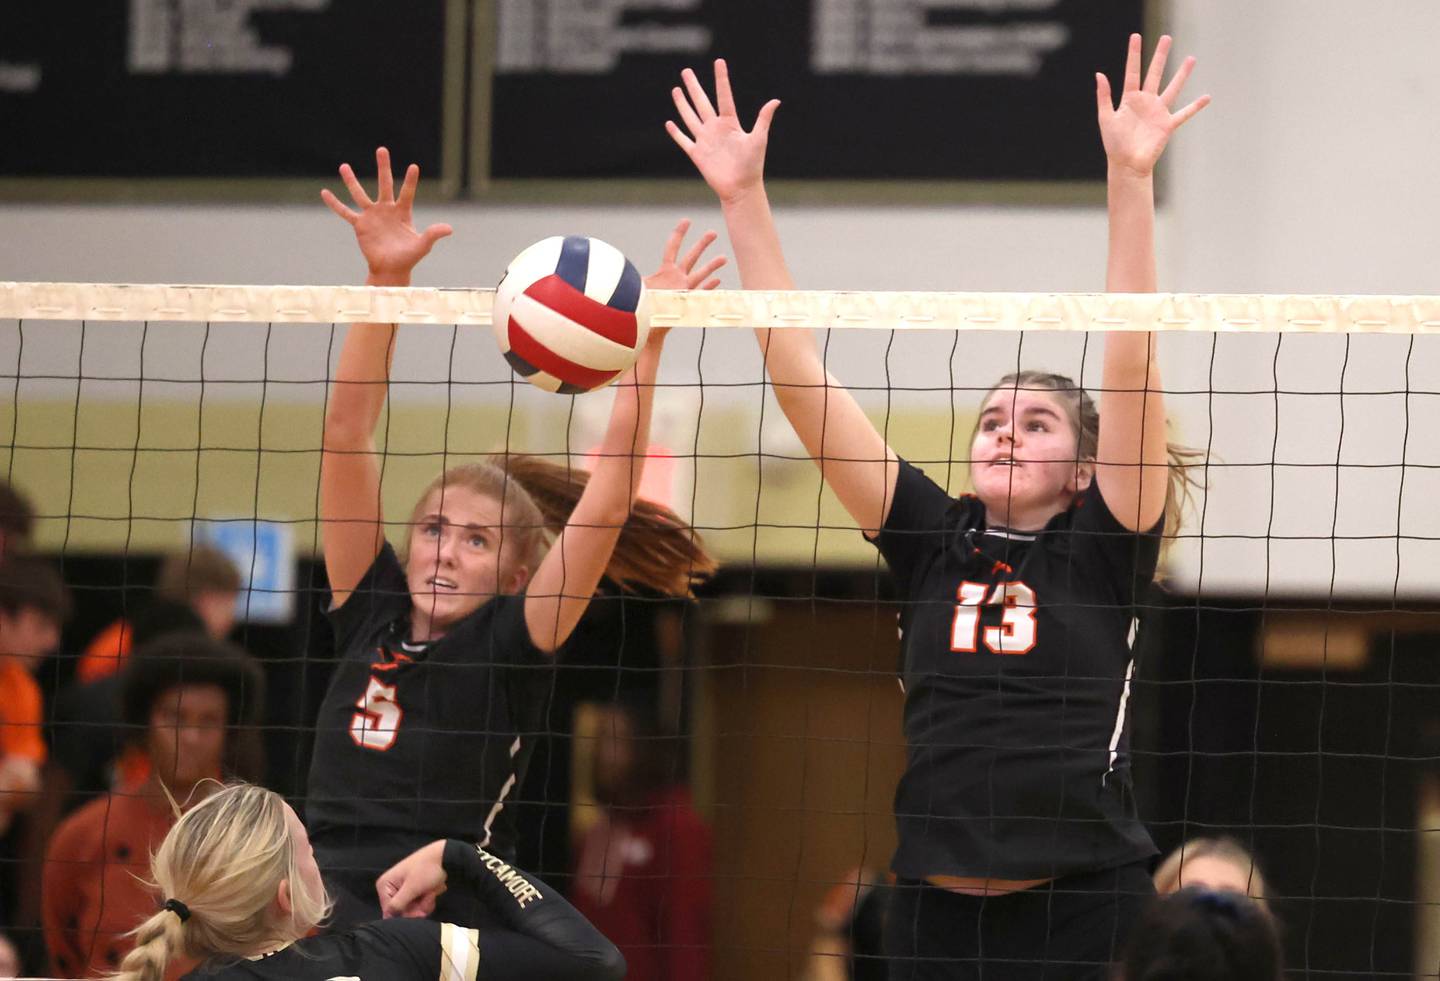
[219, 88]
[871, 89]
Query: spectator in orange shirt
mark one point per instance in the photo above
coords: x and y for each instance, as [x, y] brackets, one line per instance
[192, 703]
[33, 605]
[202, 578]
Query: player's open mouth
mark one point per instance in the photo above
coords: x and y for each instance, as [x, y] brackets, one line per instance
[442, 583]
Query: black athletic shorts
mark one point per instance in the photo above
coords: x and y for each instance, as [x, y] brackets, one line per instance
[1072, 928]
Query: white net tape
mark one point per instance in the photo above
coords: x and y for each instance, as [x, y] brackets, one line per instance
[741, 308]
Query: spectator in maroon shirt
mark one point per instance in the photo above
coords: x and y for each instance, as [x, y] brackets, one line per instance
[644, 870]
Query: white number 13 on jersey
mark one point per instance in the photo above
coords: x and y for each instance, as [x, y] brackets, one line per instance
[378, 721]
[1016, 633]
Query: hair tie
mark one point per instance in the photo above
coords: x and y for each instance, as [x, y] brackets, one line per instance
[1220, 901]
[178, 908]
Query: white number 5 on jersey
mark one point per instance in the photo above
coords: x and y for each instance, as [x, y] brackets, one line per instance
[1016, 633]
[378, 721]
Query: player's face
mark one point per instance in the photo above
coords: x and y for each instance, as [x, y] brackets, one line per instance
[186, 737]
[306, 867]
[1023, 458]
[456, 561]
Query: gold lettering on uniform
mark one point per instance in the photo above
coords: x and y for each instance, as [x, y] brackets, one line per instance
[516, 883]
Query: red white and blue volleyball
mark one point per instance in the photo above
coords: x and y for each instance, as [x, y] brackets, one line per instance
[569, 314]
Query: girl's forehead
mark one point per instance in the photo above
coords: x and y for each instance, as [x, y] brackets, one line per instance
[461, 506]
[1020, 400]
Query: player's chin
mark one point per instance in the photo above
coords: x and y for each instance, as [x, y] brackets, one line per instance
[1002, 484]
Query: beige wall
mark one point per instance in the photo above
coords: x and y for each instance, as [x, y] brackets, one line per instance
[111, 476]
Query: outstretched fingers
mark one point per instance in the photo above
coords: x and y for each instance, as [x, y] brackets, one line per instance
[724, 97]
[1182, 75]
[697, 250]
[694, 280]
[686, 111]
[681, 140]
[698, 98]
[1184, 115]
[676, 239]
[1156, 74]
[353, 185]
[407, 187]
[1104, 100]
[763, 117]
[385, 189]
[435, 233]
[1132, 65]
[333, 203]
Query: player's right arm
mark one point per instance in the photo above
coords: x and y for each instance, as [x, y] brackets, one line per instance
[852, 455]
[351, 520]
[540, 935]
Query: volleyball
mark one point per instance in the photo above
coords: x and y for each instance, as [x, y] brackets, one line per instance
[569, 314]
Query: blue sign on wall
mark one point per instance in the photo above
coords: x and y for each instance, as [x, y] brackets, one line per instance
[264, 552]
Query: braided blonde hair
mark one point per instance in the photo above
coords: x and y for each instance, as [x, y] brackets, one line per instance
[224, 860]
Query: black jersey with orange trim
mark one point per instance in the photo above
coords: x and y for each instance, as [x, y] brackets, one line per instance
[536, 934]
[1016, 666]
[428, 742]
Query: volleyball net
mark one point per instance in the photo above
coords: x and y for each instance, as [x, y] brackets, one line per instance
[1285, 689]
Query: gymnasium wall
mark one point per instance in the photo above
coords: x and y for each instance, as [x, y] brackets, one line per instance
[1311, 173]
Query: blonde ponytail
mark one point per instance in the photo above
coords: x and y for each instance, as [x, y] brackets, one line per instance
[157, 941]
[223, 861]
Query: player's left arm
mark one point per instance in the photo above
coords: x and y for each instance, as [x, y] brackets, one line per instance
[563, 585]
[1131, 459]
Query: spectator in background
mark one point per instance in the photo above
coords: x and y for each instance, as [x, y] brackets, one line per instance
[201, 578]
[1203, 935]
[1220, 864]
[17, 520]
[849, 943]
[9, 959]
[644, 870]
[90, 753]
[192, 704]
[33, 605]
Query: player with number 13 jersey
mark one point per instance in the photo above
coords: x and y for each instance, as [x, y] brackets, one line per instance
[1020, 854]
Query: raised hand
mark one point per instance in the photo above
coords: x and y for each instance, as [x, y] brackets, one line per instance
[384, 227]
[677, 273]
[731, 160]
[1135, 134]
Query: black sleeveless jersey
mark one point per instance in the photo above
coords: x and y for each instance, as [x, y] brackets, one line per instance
[1016, 667]
[430, 742]
[537, 935]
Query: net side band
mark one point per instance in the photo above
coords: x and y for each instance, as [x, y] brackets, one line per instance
[1236, 313]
